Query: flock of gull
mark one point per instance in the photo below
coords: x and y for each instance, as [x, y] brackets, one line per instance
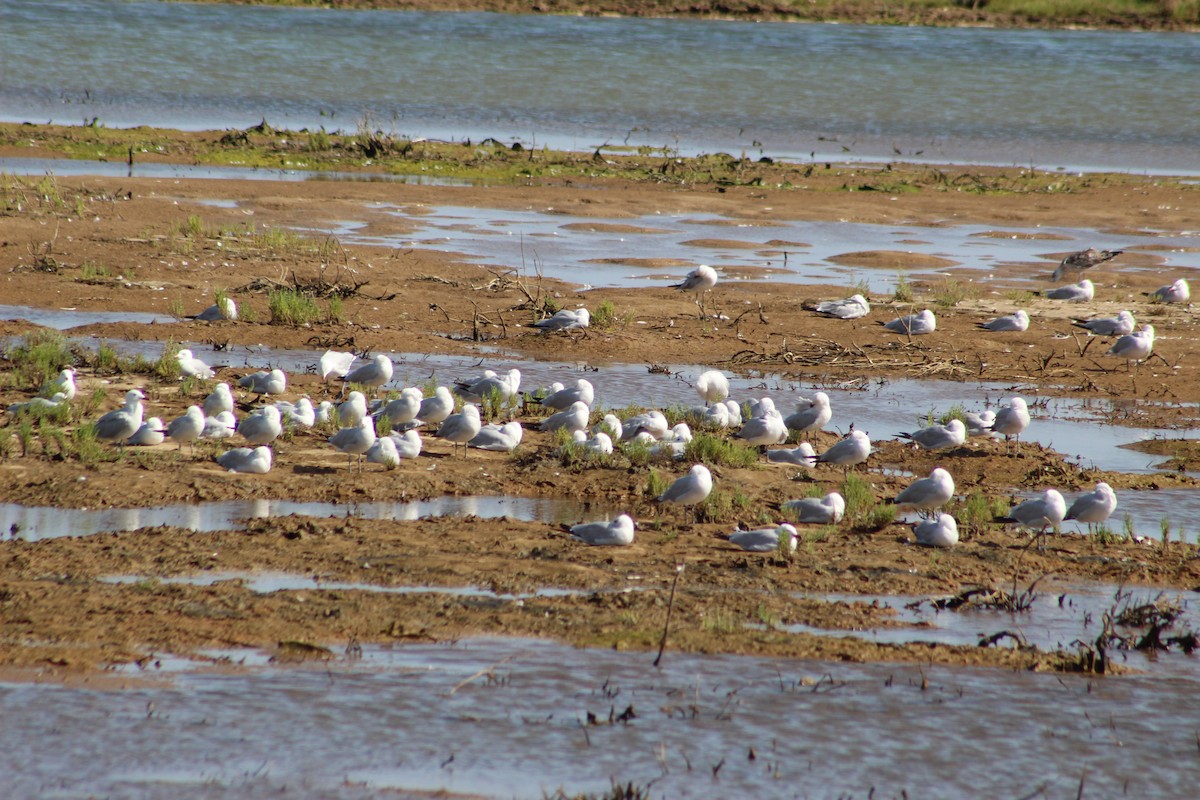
[452, 414]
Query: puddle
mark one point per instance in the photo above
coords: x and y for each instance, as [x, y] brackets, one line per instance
[64, 318]
[1061, 614]
[598, 253]
[34, 523]
[1146, 510]
[268, 582]
[508, 718]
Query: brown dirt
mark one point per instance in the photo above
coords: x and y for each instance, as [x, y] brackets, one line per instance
[53, 610]
[1151, 17]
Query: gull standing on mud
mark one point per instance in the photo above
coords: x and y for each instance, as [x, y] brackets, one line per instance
[1134, 347]
[1081, 260]
[256, 461]
[853, 449]
[566, 320]
[767, 540]
[700, 280]
[690, 489]
[926, 494]
[265, 382]
[616, 533]
[913, 324]
[1094, 507]
[939, 437]
[188, 428]
[827, 510]
[764, 430]
[1039, 513]
[940, 530]
[1012, 420]
[1177, 292]
[1081, 292]
[117, 426]
[1017, 321]
[192, 367]
[372, 375]
[852, 307]
[355, 441]
[1119, 325]
[811, 416]
[461, 428]
[712, 386]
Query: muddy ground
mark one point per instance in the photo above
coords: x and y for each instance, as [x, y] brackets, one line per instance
[130, 244]
[1170, 16]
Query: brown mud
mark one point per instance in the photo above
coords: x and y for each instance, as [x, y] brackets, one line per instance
[1147, 16]
[137, 245]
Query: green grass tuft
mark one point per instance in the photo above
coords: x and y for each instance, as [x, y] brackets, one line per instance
[718, 451]
[290, 307]
[903, 292]
[38, 357]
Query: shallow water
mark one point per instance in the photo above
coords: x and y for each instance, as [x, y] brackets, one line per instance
[586, 250]
[412, 718]
[63, 318]
[44, 522]
[1061, 615]
[268, 582]
[997, 96]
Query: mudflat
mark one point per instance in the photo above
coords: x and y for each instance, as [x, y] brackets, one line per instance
[162, 245]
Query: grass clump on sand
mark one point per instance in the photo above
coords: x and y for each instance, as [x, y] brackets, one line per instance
[863, 511]
[717, 451]
[976, 512]
[290, 307]
[951, 292]
[39, 357]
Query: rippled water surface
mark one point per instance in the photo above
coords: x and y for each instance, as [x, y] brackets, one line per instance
[508, 718]
[822, 91]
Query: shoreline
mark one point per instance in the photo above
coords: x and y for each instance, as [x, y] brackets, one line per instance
[813, 12]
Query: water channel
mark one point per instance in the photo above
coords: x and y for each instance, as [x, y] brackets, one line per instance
[1016, 97]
